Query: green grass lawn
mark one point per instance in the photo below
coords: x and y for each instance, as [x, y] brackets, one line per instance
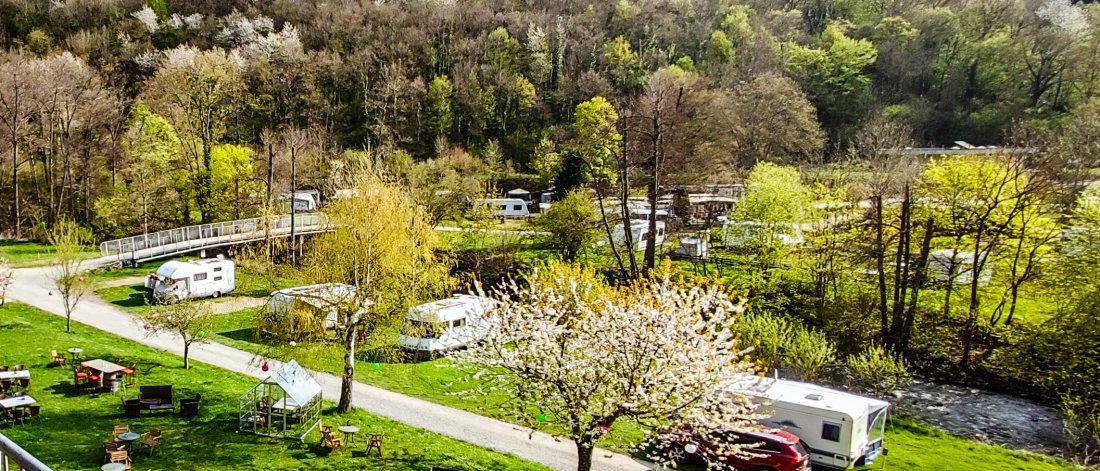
[917, 447]
[74, 424]
[33, 254]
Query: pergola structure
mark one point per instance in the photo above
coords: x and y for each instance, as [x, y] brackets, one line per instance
[285, 405]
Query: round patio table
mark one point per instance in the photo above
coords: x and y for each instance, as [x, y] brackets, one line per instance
[113, 467]
[128, 437]
[349, 433]
[75, 351]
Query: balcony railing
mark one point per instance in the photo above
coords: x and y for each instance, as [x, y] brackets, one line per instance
[14, 458]
[199, 236]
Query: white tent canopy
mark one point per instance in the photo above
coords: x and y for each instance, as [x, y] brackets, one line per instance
[296, 382]
[518, 193]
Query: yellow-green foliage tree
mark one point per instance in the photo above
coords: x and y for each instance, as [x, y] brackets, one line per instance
[383, 244]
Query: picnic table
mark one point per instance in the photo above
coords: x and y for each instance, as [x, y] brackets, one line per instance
[14, 402]
[107, 371]
[21, 374]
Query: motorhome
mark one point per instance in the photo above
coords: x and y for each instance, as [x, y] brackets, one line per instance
[506, 207]
[294, 311]
[176, 280]
[303, 200]
[446, 324]
[638, 232]
[842, 430]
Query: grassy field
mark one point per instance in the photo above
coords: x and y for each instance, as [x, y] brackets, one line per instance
[913, 446]
[74, 424]
[33, 254]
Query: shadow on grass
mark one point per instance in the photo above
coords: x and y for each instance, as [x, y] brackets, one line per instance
[243, 335]
[136, 299]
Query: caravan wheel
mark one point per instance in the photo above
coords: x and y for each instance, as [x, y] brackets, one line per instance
[216, 294]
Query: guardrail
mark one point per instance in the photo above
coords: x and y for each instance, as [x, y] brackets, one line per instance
[201, 235]
[13, 457]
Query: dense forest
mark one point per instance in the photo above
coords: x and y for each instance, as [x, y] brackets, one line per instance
[128, 116]
[100, 97]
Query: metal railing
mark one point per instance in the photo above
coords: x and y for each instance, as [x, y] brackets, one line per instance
[219, 233]
[13, 457]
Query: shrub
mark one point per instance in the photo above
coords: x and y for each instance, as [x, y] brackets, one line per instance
[781, 342]
[875, 369]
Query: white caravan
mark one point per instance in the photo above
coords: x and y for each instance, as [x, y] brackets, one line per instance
[320, 303]
[841, 430]
[506, 207]
[446, 324]
[303, 201]
[175, 280]
[955, 266]
[742, 233]
[638, 232]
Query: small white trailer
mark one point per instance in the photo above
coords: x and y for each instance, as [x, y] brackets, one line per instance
[176, 280]
[291, 311]
[842, 430]
[505, 207]
[638, 232]
[956, 267]
[447, 324]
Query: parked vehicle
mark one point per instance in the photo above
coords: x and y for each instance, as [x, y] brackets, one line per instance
[308, 200]
[638, 232]
[693, 247]
[292, 311]
[762, 450]
[176, 280]
[446, 324]
[956, 267]
[506, 207]
[841, 430]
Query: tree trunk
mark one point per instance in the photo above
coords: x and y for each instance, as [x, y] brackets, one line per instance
[880, 268]
[15, 185]
[919, 279]
[186, 355]
[584, 456]
[348, 377]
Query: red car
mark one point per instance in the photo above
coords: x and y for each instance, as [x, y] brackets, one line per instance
[774, 451]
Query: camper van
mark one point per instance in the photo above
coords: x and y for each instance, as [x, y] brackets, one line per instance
[841, 430]
[175, 280]
[288, 310]
[638, 232]
[303, 201]
[506, 207]
[447, 324]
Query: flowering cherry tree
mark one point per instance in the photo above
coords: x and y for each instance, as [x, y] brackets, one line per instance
[578, 355]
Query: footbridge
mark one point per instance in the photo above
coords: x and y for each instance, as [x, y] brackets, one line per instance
[172, 242]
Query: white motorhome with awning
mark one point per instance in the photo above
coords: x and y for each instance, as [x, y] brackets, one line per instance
[842, 430]
[176, 280]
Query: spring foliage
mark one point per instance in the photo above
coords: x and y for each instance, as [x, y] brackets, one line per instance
[579, 353]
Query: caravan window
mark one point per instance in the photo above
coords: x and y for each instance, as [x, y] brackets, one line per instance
[421, 329]
[459, 323]
[217, 278]
[200, 276]
[876, 425]
[517, 207]
[217, 268]
[830, 432]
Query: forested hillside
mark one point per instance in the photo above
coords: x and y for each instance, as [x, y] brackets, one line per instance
[113, 101]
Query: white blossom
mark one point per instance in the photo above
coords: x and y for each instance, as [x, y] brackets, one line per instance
[585, 354]
[284, 44]
[238, 30]
[147, 61]
[1064, 16]
[148, 18]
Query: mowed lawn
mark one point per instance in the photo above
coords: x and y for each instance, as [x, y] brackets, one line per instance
[74, 425]
[33, 254]
[913, 446]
